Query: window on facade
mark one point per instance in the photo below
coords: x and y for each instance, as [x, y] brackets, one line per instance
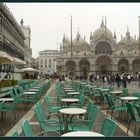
[45, 66]
[41, 66]
[41, 61]
[49, 61]
[45, 61]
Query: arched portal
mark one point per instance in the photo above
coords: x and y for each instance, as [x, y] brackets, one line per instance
[103, 47]
[103, 65]
[84, 67]
[70, 67]
[136, 65]
[123, 66]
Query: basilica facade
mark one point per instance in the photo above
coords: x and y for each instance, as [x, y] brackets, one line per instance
[102, 55]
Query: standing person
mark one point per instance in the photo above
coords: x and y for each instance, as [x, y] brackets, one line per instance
[118, 79]
[124, 81]
[139, 79]
[129, 78]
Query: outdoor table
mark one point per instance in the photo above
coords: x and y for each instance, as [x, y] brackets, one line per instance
[82, 134]
[29, 93]
[129, 98]
[98, 88]
[68, 101]
[66, 112]
[88, 85]
[105, 90]
[68, 88]
[84, 83]
[73, 93]
[32, 90]
[37, 87]
[115, 92]
[6, 99]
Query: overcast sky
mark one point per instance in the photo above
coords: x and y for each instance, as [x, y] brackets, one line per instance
[49, 21]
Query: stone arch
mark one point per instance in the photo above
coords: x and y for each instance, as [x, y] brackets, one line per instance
[70, 65]
[103, 64]
[84, 67]
[123, 66]
[103, 47]
[136, 65]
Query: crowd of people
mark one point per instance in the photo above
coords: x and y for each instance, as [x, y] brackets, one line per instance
[120, 79]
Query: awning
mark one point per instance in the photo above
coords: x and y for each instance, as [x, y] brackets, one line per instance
[5, 58]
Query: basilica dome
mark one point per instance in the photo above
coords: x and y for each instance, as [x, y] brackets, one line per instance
[102, 32]
[79, 43]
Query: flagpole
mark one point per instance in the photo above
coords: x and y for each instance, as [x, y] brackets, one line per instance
[71, 36]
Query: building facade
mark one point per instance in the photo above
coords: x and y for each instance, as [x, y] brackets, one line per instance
[14, 40]
[28, 51]
[102, 55]
[47, 62]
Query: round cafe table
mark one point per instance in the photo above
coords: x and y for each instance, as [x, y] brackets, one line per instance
[73, 93]
[72, 111]
[68, 88]
[69, 113]
[69, 101]
[116, 92]
[129, 98]
[82, 134]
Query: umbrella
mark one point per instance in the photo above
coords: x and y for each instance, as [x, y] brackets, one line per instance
[5, 58]
[29, 71]
[15, 61]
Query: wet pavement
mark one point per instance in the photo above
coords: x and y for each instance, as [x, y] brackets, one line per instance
[7, 127]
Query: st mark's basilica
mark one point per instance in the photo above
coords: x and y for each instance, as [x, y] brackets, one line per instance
[102, 55]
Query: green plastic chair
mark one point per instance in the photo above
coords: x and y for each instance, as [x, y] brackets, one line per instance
[124, 92]
[47, 116]
[113, 106]
[47, 124]
[82, 124]
[96, 94]
[108, 127]
[10, 107]
[27, 129]
[15, 134]
[132, 117]
[89, 110]
[51, 108]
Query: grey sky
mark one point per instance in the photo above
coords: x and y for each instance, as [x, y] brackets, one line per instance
[49, 21]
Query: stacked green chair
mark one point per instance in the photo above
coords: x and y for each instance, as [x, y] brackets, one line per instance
[15, 134]
[10, 107]
[113, 106]
[47, 116]
[124, 92]
[28, 131]
[51, 107]
[89, 110]
[133, 117]
[96, 94]
[83, 124]
[138, 111]
[48, 124]
[108, 127]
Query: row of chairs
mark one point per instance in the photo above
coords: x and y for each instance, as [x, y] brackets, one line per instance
[56, 124]
[52, 127]
[18, 98]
